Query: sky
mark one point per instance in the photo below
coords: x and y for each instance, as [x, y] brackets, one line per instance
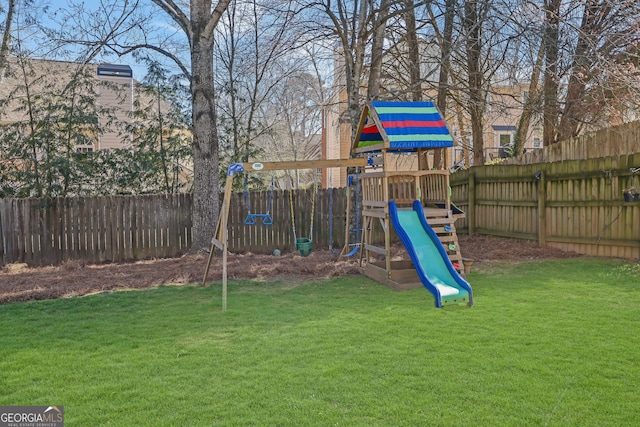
[46, 7]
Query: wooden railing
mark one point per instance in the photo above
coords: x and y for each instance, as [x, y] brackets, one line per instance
[431, 187]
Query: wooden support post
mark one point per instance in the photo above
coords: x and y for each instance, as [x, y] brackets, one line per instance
[211, 251]
[221, 239]
[224, 233]
[448, 190]
[347, 226]
[471, 208]
[542, 209]
[447, 155]
[423, 163]
[363, 247]
[386, 221]
[363, 239]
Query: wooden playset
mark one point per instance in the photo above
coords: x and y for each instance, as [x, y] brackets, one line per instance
[388, 130]
[415, 203]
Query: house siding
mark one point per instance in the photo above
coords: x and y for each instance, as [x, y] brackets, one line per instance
[115, 93]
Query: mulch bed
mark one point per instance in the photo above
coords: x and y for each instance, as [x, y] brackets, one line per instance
[21, 283]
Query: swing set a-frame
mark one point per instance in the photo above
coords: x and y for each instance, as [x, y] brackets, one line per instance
[221, 238]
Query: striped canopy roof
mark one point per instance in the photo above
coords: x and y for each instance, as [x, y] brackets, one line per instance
[401, 126]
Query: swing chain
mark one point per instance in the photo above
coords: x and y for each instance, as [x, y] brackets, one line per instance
[313, 202]
[251, 217]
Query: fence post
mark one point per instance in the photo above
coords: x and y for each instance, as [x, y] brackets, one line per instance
[542, 214]
[471, 208]
[4, 229]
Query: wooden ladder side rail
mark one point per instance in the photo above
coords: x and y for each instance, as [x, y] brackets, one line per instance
[438, 222]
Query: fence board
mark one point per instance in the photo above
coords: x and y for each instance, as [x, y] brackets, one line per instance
[29, 221]
[94, 230]
[3, 224]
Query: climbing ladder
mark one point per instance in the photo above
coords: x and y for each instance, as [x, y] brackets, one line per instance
[443, 223]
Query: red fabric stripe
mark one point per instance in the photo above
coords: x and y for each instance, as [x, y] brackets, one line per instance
[370, 129]
[414, 123]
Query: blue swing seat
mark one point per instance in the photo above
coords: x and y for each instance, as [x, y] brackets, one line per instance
[265, 217]
[251, 219]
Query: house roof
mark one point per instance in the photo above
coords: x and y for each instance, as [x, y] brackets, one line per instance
[116, 70]
[401, 126]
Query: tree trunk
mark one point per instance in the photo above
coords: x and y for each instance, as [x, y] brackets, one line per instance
[472, 27]
[354, 29]
[413, 54]
[353, 93]
[206, 200]
[529, 103]
[550, 89]
[6, 38]
[445, 57]
[573, 112]
[415, 78]
[377, 51]
[443, 78]
[463, 134]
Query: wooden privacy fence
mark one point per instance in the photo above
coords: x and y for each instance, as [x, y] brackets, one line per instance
[607, 142]
[50, 231]
[571, 205]
[330, 207]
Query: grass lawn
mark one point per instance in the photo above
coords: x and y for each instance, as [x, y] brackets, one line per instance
[552, 343]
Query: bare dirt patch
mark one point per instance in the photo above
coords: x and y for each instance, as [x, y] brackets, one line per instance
[21, 283]
[488, 248]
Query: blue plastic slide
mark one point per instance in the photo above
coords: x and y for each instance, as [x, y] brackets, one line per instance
[429, 257]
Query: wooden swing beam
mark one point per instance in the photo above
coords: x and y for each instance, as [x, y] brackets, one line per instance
[304, 164]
